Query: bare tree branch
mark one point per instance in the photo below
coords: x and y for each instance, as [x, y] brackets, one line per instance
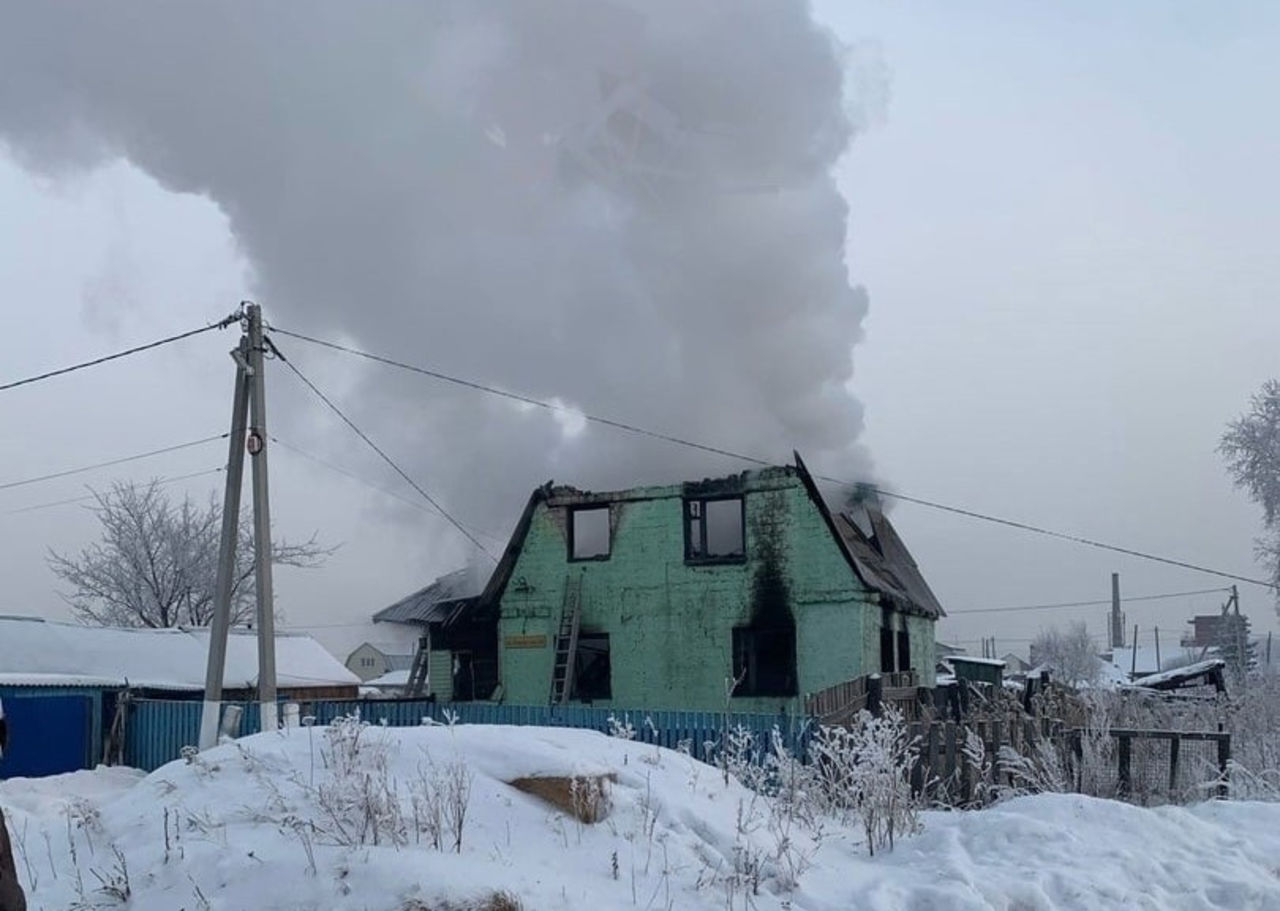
[1068, 654]
[156, 564]
[1251, 447]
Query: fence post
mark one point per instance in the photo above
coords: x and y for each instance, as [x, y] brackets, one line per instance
[931, 756]
[950, 734]
[1077, 749]
[1175, 744]
[1125, 757]
[875, 693]
[1224, 763]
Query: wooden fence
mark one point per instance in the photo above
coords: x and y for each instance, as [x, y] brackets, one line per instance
[840, 704]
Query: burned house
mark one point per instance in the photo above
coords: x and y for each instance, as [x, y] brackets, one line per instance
[456, 657]
[668, 597]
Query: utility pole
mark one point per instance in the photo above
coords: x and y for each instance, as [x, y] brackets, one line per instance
[1117, 621]
[210, 716]
[1158, 666]
[257, 447]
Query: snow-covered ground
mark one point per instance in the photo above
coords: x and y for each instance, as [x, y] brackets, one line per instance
[259, 825]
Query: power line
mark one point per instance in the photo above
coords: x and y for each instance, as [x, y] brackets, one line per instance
[524, 399]
[108, 464]
[1060, 535]
[1100, 603]
[87, 497]
[372, 486]
[386, 458]
[220, 324]
[717, 450]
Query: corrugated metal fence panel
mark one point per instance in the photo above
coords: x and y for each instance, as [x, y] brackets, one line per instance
[159, 729]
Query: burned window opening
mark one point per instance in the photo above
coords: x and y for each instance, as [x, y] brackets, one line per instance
[715, 529]
[592, 672]
[904, 649]
[589, 537]
[764, 661]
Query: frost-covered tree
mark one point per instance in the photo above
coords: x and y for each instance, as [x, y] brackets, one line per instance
[1251, 447]
[156, 565]
[1069, 654]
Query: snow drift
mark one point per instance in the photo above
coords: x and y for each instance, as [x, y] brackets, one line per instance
[275, 822]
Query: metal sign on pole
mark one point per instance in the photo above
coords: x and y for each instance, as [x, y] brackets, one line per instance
[221, 622]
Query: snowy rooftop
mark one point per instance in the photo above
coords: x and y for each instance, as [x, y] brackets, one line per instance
[390, 678]
[1180, 673]
[38, 652]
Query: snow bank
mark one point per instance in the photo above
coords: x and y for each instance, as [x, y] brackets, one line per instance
[246, 826]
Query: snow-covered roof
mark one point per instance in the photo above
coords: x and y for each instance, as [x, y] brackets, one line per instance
[390, 678]
[39, 652]
[1186, 672]
[969, 659]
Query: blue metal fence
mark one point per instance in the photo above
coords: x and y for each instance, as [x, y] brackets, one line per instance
[157, 729]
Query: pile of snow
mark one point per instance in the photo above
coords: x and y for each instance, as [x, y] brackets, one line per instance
[258, 824]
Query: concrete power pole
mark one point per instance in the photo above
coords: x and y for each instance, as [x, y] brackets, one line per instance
[257, 447]
[251, 397]
[210, 717]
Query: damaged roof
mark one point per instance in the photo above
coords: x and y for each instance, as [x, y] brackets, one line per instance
[877, 555]
[884, 563]
[439, 602]
[879, 558]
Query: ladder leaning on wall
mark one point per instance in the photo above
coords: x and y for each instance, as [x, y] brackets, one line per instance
[417, 685]
[567, 641]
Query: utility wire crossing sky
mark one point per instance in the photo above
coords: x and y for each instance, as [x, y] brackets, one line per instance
[609, 422]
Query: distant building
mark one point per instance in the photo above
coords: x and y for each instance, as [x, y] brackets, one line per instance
[978, 670]
[1013, 665]
[368, 661]
[1212, 630]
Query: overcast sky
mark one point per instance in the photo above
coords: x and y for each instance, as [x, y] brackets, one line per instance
[1064, 225]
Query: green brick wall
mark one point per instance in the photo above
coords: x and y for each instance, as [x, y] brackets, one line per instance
[670, 623]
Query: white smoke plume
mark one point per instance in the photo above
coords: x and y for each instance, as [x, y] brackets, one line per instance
[624, 206]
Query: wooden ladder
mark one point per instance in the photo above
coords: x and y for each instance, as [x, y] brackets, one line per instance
[417, 685]
[567, 641]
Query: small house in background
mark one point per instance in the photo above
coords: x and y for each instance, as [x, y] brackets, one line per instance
[457, 644]
[978, 670]
[368, 661]
[747, 589]
[1015, 666]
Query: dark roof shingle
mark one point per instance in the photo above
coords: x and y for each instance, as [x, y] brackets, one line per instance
[436, 603]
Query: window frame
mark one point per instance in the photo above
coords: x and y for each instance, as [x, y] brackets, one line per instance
[703, 557]
[572, 535]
